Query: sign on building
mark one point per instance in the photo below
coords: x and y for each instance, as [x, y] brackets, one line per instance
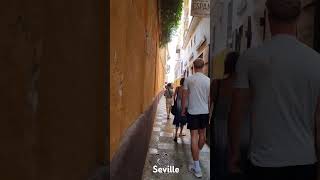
[200, 8]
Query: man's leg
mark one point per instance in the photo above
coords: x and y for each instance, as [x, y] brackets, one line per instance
[195, 149]
[202, 138]
[194, 145]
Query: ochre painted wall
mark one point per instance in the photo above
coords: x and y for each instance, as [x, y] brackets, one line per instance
[136, 69]
[160, 68]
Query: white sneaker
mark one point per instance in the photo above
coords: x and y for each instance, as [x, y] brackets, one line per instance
[194, 172]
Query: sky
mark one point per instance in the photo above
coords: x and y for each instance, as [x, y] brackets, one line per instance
[172, 51]
[172, 61]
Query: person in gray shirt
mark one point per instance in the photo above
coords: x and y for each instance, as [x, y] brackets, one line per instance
[196, 89]
[280, 80]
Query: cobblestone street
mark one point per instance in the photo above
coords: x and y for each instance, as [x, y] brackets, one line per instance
[164, 152]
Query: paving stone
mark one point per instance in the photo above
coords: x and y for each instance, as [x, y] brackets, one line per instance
[166, 134]
[165, 146]
[158, 123]
[163, 151]
[153, 151]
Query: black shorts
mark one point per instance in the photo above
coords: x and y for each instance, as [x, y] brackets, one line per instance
[200, 121]
[302, 172]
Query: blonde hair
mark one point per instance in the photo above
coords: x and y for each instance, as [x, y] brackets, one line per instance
[198, 63]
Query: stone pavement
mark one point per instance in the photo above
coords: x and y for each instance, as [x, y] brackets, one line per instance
[164, 152]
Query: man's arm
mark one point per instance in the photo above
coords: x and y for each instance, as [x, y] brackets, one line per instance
[184, 97]
[239, 109]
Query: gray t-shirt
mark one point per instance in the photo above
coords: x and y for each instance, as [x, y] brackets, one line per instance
[284, 78]
[198, 86]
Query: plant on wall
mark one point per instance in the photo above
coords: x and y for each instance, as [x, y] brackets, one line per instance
[170, 15]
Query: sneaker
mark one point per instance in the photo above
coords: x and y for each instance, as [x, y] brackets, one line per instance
[194, 172]
[175, 139]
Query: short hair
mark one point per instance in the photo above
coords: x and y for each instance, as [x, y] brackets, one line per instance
[230, 62]
[284, 10]
[181, 81]
[169, 84]
[198, 63]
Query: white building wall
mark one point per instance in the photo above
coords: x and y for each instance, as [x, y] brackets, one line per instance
[190, 52]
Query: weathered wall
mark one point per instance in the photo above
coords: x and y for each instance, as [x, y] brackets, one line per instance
[52, 64]
[136, 69]
[161, 74]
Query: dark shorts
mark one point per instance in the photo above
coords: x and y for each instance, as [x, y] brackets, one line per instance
[200, 121]
[302, 172]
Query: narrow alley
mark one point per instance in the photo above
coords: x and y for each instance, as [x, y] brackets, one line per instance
[164, 152]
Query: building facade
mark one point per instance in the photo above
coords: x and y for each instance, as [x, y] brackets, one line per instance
[195, 39]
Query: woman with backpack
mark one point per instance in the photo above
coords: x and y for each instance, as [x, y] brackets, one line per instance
[169, 98]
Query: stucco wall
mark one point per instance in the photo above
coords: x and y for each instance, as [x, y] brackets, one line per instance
[201, 31]
[52, 78]
[161, 64]
[136, 72]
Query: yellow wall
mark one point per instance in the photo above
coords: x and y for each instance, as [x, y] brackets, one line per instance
[161, 64]
[136, 69]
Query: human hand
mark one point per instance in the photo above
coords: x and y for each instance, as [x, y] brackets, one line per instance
[183, 113]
